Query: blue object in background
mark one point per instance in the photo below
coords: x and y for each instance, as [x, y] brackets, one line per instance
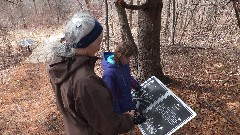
[26, 42]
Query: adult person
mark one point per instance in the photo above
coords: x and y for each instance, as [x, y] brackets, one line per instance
[82, 97]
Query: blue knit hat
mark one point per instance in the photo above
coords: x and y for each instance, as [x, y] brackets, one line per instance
[82, 30]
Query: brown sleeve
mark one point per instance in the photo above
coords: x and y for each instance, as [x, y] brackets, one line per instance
[97, 109]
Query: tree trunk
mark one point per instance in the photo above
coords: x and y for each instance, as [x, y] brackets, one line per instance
[23, 16]
[149, 23]
[183, 10]
[172, 41]
[187, 22]
[88, 5]
[107, 26]
[12, 18]
[80, 5]
[127, 36]
[58, 6]
[130, 15]
[166, 31]
[237, 10]
[48, 1]
[125, 29]
[35, 7]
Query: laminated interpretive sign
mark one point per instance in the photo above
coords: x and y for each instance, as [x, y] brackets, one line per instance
[165, 112]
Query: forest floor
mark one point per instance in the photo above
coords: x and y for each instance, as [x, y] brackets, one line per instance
[207, 79]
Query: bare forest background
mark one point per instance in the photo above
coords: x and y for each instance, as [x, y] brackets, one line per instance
[199, 45]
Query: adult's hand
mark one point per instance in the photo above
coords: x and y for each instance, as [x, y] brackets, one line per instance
[131, 113]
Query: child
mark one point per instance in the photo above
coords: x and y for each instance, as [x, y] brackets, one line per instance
[117, 76]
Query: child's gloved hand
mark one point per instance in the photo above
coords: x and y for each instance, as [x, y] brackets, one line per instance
[138, 118]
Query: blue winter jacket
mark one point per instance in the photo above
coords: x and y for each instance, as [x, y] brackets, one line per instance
[118, 78]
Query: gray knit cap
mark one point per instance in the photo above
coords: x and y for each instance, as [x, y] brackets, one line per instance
[80, 31]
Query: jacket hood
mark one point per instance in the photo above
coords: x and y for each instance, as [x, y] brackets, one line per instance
[107, 61]
[60, 68]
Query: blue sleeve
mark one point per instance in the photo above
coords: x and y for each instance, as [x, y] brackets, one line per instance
[109, 80]
[135, 84]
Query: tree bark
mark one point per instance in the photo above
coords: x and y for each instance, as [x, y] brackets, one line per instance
[166, 31]
[23, 16]
[237, 10]
[125, 29]
[130, 15]
[12, 18]
[107, 26]
[173, 22]
[59, 9]
[48, 1]
[80, 4]
[188, 22]
[127, 35]
[11, 2]
[88, 5]
[35, 7]
[149, 24]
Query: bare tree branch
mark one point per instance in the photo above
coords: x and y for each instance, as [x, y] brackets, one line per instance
[107, 26]
[11, 2]
[237, 10]
[222, 114]
[123, 4]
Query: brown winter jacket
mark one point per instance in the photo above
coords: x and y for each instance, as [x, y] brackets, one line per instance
[84, 100]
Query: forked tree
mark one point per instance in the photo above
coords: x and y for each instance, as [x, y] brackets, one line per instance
[147, 62]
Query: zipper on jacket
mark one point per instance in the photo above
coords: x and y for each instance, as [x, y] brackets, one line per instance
[124, 80]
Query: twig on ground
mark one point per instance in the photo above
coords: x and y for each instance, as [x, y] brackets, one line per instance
[221, 113]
